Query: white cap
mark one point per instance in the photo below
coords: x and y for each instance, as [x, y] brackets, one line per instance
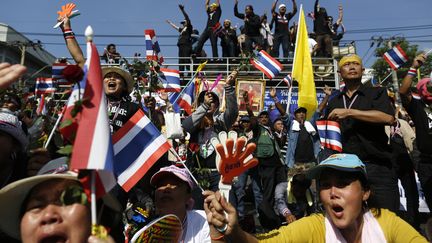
[282, 6]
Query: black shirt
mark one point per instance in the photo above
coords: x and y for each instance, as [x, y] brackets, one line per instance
[304, 152]
[282, 23]
[252, 25]
[120, 112]
[321, 26]
[213, 17]
[367, 140]
[423, 125]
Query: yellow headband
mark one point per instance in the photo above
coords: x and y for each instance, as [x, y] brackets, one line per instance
[350, 58]
[214, 5]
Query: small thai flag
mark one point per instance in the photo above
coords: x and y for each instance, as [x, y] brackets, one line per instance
[187, 98]
[137, 147]
[330, 134]
[170, 79]
[267, 64]
[93, 148]
[395, 57]
[217, 29]
[341, 85]
[57, 73]
[288, 80]
[152, 45]
[44, 86]
[41, 109]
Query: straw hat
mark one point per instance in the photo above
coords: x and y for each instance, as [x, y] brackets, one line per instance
[120, 71]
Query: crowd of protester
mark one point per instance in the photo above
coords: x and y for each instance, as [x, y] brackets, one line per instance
[298, 192]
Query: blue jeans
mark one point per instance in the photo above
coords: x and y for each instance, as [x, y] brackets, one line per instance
[238, 190]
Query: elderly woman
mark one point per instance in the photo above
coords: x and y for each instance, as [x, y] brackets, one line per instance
[51, 207]
[344, 191]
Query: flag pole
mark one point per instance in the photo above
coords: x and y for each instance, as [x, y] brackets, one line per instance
[172, 150]
[93, 198]
[53, 130]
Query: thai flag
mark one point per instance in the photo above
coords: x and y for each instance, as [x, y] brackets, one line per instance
[137, 147]
[395, 57]
[93, 149]
[69, 122]
[288, 80]
[41, 109]
[170, 80]
[44, 86]
[217, 29]
[341, 85]
[186, 99]
[57, 73]
[267, 64]
[152, 46]
[330, 134]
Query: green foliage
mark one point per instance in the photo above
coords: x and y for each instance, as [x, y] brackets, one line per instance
[382, 69]
[65, 150]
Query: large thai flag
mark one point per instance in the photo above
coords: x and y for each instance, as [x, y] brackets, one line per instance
[170, 80]
[69, 123]
[152, 45]
[267, 64]
[93, 149]
[137, 147]
[44, 86]
[395, 57]
[57, 73]
[330, 134]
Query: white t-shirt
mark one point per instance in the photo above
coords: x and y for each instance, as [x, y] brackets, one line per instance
[197, 230]
[312, 44]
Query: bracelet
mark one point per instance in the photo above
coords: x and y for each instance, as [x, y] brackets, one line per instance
[412, 72]
[223, 229]
[65, 30]
[220, 237]
[68, 34]
[276, 99]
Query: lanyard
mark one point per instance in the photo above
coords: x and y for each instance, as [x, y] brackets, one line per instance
[351, 103]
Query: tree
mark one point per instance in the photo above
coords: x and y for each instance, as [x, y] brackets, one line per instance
[382, 69]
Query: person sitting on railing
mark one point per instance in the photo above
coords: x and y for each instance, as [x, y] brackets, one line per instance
[228, 40]
[214, 13]
[184, 42]
[252, 25]
[111, 55]
[281, 21]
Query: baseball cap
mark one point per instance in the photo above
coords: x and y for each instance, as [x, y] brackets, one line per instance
[282, 6]
[13, 195]
[245, 119]
[300, 109]
[174, 170]
[341, 162]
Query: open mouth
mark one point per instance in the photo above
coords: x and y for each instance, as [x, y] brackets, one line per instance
[338, 211]
[54, 239]
[112, 85]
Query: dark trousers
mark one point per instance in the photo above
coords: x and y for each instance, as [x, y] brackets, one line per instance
[184, 51]
[207, 33]
[384, 186]
[228, 49]
[270, 175]
[248, 45]
[325, 45]
[281, 39]
[424, 170]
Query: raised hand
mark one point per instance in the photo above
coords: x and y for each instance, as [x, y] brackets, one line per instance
[234, 156]
[10, 73]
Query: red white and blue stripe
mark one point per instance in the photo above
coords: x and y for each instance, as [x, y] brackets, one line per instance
[186, 100]
[330, 134]
[93, 148]
[57, 73]
[395, 57]
[288, 80]
[267, 64]
[41, 109]
[152, 45]
[137, 147]
[170, 80]
[44, 86]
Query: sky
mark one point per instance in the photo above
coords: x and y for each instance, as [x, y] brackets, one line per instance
[124, 22]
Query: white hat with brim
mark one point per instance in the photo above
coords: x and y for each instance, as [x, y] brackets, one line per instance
[120, 71]
[13, 195]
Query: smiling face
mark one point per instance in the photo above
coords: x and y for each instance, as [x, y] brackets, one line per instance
[342, 196]
[47, 220]
[114, 84]
[171, 195]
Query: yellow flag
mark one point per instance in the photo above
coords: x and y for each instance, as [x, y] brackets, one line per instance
[302, 68]
[201, 66]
